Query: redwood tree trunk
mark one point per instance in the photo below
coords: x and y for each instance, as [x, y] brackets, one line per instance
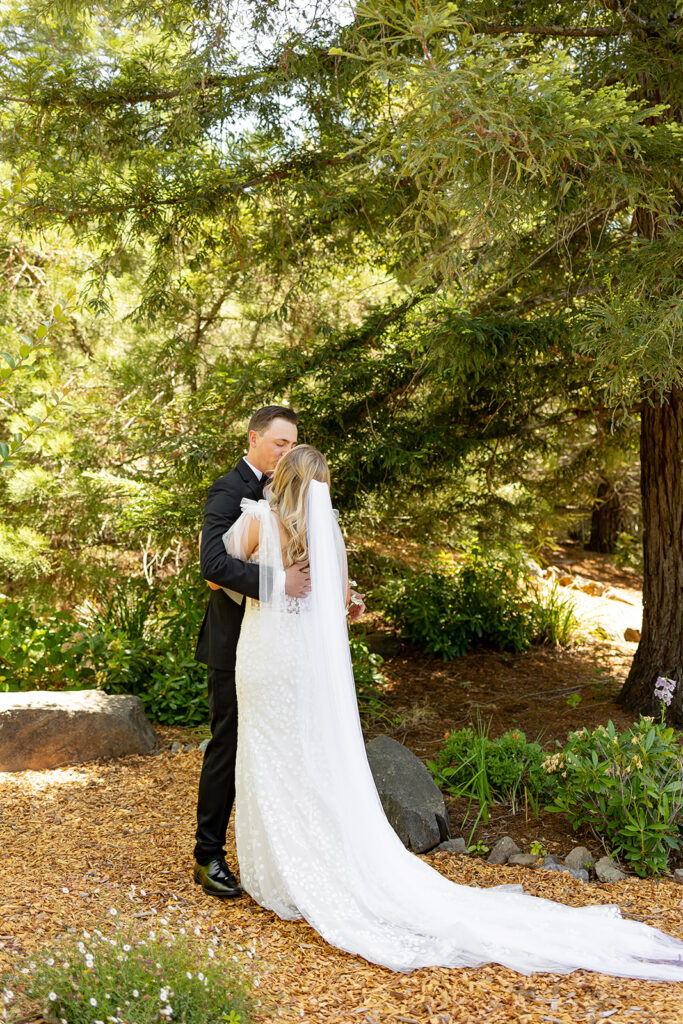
[606, 518]
[660, 652]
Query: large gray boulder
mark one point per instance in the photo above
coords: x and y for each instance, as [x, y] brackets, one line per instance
[45, 729]
[412, 802]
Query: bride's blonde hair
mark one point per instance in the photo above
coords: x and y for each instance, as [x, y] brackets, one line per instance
[287, 492]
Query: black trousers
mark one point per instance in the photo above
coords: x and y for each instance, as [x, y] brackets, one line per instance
[217, 780]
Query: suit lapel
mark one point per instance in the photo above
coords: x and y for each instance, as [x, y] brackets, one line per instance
[255, 487]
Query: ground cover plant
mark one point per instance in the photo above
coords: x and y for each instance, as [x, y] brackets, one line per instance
[508, 769]
[118, 975]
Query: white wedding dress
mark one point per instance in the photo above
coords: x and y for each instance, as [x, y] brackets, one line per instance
[312, 838]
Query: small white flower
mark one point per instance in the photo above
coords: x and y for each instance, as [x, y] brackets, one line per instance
[188, 974]
[86, 935]
[113, 911]
[142, 892]
[198, 931]
[50, 961]
[163, 995]
[126, 947]
[92, 1001]
[200, 976]
[210, 952]
[52, 996]
[8, 995]
[135, 993]
[65, 890]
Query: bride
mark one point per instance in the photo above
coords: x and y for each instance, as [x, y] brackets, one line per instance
[312, 838]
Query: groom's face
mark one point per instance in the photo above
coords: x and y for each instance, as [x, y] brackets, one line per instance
[266, 449]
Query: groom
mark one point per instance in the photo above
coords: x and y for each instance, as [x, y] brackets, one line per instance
[272, 433]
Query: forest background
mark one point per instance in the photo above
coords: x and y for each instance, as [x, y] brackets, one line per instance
[448, 234]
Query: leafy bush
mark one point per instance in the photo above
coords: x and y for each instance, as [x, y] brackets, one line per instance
[505, 769]
[446, 609]
[132, 980]
[149, 641]
[627, 787]
[140, 641]
[50, 651]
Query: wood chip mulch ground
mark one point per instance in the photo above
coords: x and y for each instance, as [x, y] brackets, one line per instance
[74, 840]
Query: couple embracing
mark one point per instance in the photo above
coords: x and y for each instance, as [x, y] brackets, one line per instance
[312, 838]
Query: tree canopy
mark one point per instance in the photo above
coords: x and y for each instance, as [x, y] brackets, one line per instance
[448, 233]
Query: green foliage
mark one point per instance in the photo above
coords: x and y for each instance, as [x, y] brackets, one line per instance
[554, 618]
[369, 679]
[478, 849]
[505, 769]
[140, 641]
[628, 551]
[446, 609]
[117, 974]
[627, 787]
[44, 652]
[24, 553]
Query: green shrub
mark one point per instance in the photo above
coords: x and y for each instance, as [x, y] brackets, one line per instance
[120, 976]
[149, 637]
[446, 609]
[47, 652]
[504, 770]
[140, 641]
[627, 787]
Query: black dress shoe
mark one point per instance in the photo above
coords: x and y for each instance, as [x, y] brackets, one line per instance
[216, 879]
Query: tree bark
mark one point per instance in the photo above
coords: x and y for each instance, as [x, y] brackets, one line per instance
[660, 652]
[606, 518]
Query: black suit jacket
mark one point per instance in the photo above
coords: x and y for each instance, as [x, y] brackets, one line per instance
[220, 629]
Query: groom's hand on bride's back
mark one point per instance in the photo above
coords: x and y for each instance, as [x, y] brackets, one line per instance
[298, 579]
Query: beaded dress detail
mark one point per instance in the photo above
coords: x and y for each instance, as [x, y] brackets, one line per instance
[312, 838]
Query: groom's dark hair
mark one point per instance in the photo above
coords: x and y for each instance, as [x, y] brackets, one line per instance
[262, 418]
